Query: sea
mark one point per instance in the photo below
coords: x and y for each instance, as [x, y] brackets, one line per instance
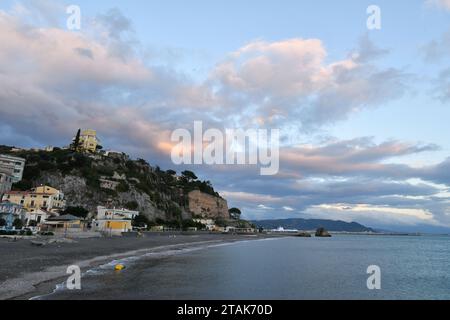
[408, 267]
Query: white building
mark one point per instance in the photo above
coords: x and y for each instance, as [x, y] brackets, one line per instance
[209, 223]
[283, 230]
[38, 216]
[108, 184]
[114, 221]
[14, 165]
[6, 181]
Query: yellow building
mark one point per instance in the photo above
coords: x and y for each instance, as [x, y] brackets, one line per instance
[114, 221]
[42, 197]
[88, 141]
[64, 223]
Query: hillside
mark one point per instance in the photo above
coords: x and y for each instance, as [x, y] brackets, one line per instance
[313, 224]
[90, 180]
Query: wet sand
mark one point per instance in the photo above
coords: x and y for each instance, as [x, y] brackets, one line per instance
[25, 267]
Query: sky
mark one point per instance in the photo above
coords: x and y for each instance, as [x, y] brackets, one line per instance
[363, 113]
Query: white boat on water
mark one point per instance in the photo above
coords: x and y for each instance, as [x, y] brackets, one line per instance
[283, 230]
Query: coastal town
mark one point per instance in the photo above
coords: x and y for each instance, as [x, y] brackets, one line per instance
[43, 210]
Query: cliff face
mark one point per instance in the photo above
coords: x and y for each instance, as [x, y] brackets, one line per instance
[92, 180]
[207, 206]
[78, 193]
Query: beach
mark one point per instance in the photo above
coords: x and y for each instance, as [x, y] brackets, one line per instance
[26, 268]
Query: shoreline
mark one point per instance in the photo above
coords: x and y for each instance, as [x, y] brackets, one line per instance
[35, 280]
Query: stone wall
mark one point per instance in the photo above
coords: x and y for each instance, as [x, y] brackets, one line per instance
[207, 206]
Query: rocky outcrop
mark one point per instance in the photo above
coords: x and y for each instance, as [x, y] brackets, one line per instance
[77, 193]
[322, 233]
[207, 206]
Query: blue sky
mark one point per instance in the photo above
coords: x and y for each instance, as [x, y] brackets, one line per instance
[165, 64]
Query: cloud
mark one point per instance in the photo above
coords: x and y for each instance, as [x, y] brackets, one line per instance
[49, 13]
[50, 77]
[280, 81]
[356, 173]
[360, 156]
[437, 49]
[372, 215]
[98, 77]
[444, 4]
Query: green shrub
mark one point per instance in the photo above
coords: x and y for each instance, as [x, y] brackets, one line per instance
[77, 211]
[123, 187]
[132, 205]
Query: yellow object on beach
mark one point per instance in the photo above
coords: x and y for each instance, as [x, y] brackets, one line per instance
[119, 267]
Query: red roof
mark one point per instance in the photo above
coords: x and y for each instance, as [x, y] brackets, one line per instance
[28, 192]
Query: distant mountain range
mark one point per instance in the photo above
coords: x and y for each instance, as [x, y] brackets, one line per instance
[313, 224]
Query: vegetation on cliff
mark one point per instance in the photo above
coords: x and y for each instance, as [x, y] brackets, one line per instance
[156, 193]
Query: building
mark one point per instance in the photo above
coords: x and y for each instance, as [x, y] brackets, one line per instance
[9, 212]
[209, 223]
[89, 140]
[235, 230]
[114, 221]
[37, 216]
[6, 182]
[108, 184]
[13, 165]
[64, 224]
[43, 197]
[116, 155]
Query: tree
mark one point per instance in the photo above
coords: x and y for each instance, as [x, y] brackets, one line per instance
[171, 172]
[189, 175]
[76, 142]
[32, 223]
[140, 221]
[76, 211]
[235, 213]
[132, 205]
[122, 187]
[18, 224]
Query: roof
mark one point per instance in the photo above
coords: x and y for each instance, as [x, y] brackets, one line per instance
[66, 217]
[9, 157]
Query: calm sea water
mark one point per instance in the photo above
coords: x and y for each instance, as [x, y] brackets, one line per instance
[287, 268]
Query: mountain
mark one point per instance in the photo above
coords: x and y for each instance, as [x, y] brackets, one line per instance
[89, 180]
[313, 224]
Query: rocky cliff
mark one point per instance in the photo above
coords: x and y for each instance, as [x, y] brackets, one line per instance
[92, 180]
[207, 206]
